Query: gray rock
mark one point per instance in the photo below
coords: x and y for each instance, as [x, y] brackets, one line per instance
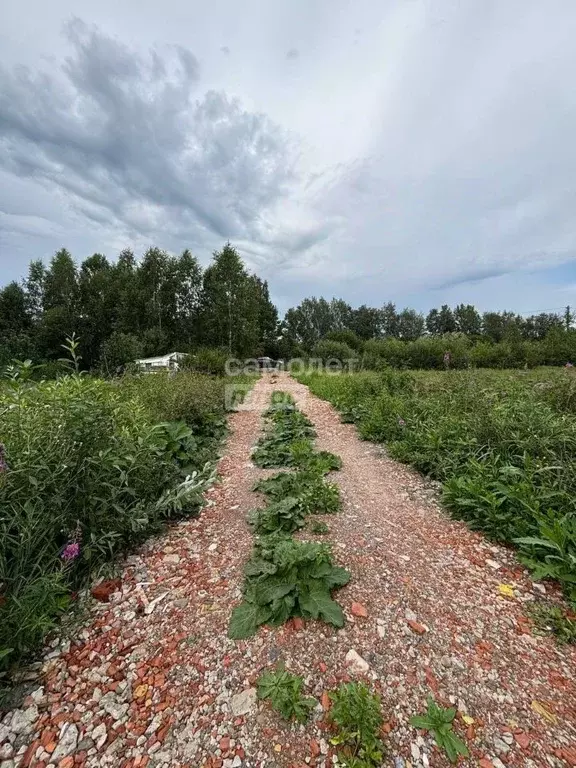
[237, 762]
[99, 735]
[415, 751]
[171, 558]
[24, 719]
[243, 702]
[6, 751]
[85, 744]
[66, 743]
[113, 706]
[501, 746]
[356, 663]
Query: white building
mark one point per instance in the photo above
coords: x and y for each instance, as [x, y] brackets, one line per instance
[167, 362]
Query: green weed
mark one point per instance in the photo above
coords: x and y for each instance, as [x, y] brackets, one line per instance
[284, 691]
[551, 619]
[356, 715]
[285, 578]
[439, 721]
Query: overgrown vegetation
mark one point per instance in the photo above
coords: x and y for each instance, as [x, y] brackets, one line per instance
[503, 445]
[313, 494]
[285, 577]
[551, 619]
[284, 692]
[376, 337]
[88, 468]
[440, 722]
[357, 718]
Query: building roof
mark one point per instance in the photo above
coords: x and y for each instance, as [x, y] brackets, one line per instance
[161, 358]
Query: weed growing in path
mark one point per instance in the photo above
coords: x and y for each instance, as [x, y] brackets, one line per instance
[356, 715]
[439, 721]
[284, 692]
[286, 578]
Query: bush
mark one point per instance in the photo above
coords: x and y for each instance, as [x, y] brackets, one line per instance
[327, 351]
[119, 350]
[206, 360]
[86, 472]
[501, 443]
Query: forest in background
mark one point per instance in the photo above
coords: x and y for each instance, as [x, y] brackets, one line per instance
[162, 303]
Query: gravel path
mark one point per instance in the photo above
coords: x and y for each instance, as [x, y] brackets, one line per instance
[152, 679]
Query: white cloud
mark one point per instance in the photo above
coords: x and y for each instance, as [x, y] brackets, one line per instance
[371, 150]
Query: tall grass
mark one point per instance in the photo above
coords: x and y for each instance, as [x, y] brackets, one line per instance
[88, 469]
[502, 443]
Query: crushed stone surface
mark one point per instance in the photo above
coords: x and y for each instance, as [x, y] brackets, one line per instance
[151, 678]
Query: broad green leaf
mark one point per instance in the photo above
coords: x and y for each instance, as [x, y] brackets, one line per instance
[317, 603]
[245, 620]
[271, 589]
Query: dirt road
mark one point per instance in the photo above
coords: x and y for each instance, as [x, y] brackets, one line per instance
[153, 680]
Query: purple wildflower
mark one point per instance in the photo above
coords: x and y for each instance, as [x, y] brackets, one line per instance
[401, 422]
[70, 551]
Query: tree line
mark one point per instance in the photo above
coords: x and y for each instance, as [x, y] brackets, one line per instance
[128, 309]
[314, 319]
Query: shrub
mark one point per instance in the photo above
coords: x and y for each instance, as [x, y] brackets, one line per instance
[119, 350]
[327, 350]
[207, 360]
[85, 473]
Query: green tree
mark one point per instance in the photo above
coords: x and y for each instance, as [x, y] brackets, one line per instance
[60, 315]
[14, 313]
[410, 325]
[189, 292]
[34, 286]
[309, 322]
[61, 283]
[365, 322]
[267, 318]
[96, 306]
[230, 311]
[389, 320]
[468, 320]
[128, 316]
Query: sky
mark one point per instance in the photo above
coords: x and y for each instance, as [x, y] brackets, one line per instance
[415, 151]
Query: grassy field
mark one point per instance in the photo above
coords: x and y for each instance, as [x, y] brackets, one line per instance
[88, 468]
[503, 443]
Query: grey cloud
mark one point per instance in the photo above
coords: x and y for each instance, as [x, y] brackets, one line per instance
[132, 141]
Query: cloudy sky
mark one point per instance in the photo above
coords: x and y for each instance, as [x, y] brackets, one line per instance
[419, 151]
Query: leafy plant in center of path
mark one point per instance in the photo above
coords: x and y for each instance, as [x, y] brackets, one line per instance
[439, 721]
[357, 716]
[284, 691]
[314, 495]
[287, 578]
[285, 515]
